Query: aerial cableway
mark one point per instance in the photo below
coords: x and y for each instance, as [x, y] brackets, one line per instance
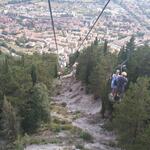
[86, 37]
[53, 25]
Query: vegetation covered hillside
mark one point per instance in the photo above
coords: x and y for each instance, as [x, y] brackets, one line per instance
[130, 118]
[27, 84]
[26, 87]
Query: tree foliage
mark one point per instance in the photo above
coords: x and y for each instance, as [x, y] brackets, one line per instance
[33, 74]
[127, 50]
[36, 108]
[139, 64]
[17, 77]
[105, 47]
[73, 58]
[94, 69]
[132, 117]
[9, 121]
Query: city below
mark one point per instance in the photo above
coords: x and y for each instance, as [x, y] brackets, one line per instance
[25, 26]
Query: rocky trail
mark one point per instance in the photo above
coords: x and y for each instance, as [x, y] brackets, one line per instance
[77, 124]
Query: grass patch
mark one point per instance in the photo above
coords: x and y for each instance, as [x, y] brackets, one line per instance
[86, 136]
[28, 140]
[18, 144]
[67, 127]
[22, 142]
[59, 109]
[79, 146]
[63, 104]
[55, 127]
[77, 115]
[108, 126]
[44, 127]
[75, 131]
[113, 144]
[54, 141]
[58, 121]
[61, 127]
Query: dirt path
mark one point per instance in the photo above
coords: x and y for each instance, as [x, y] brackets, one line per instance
[83, 113]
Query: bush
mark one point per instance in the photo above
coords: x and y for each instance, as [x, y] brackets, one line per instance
[37, 108]
[19, 144]
[95, 67]
[25, 103]
[86, 136]
[79, 146]
[9, 121]
[73, 58]
[132, 117]
[55, 127]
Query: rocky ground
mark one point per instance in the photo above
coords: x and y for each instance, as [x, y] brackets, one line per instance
[76, 122]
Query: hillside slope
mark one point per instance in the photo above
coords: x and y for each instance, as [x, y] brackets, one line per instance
[83, 113]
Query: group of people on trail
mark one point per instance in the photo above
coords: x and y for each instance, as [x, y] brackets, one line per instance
[118, 83]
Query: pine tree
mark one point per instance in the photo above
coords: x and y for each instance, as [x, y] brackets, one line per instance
[96, 41]
[33, 74]
[37, 108]
[87, 61]
[23, 60]
[9, 121]
[6, 66]
[122, 56]
[73, 58]
[132, 116]
[130, 47]
[105, 47]
[100, 77]
[95, 69]
[139, 64]
[55, 71]
[127, 51]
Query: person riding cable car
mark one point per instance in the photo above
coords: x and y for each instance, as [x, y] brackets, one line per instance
[118, 86]
[121, 83]
[114, 83]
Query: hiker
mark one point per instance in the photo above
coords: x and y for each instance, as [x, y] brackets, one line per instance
[121, 83]
[114, 83]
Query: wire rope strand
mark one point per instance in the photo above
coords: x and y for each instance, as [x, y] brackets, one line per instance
[53, 25]
[94, 24]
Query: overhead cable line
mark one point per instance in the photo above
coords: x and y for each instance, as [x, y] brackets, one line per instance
[94, 24]
[53, 26]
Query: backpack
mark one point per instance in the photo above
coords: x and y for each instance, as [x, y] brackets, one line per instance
[115, 82]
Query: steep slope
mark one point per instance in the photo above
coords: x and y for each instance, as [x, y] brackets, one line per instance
[84, 114]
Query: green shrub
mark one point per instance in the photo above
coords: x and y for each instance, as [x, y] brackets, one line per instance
[37, 108]
[79, 146]
[19, 144]
[86, 136]
[55, 127]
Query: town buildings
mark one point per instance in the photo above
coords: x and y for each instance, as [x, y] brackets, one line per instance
[73, 19]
